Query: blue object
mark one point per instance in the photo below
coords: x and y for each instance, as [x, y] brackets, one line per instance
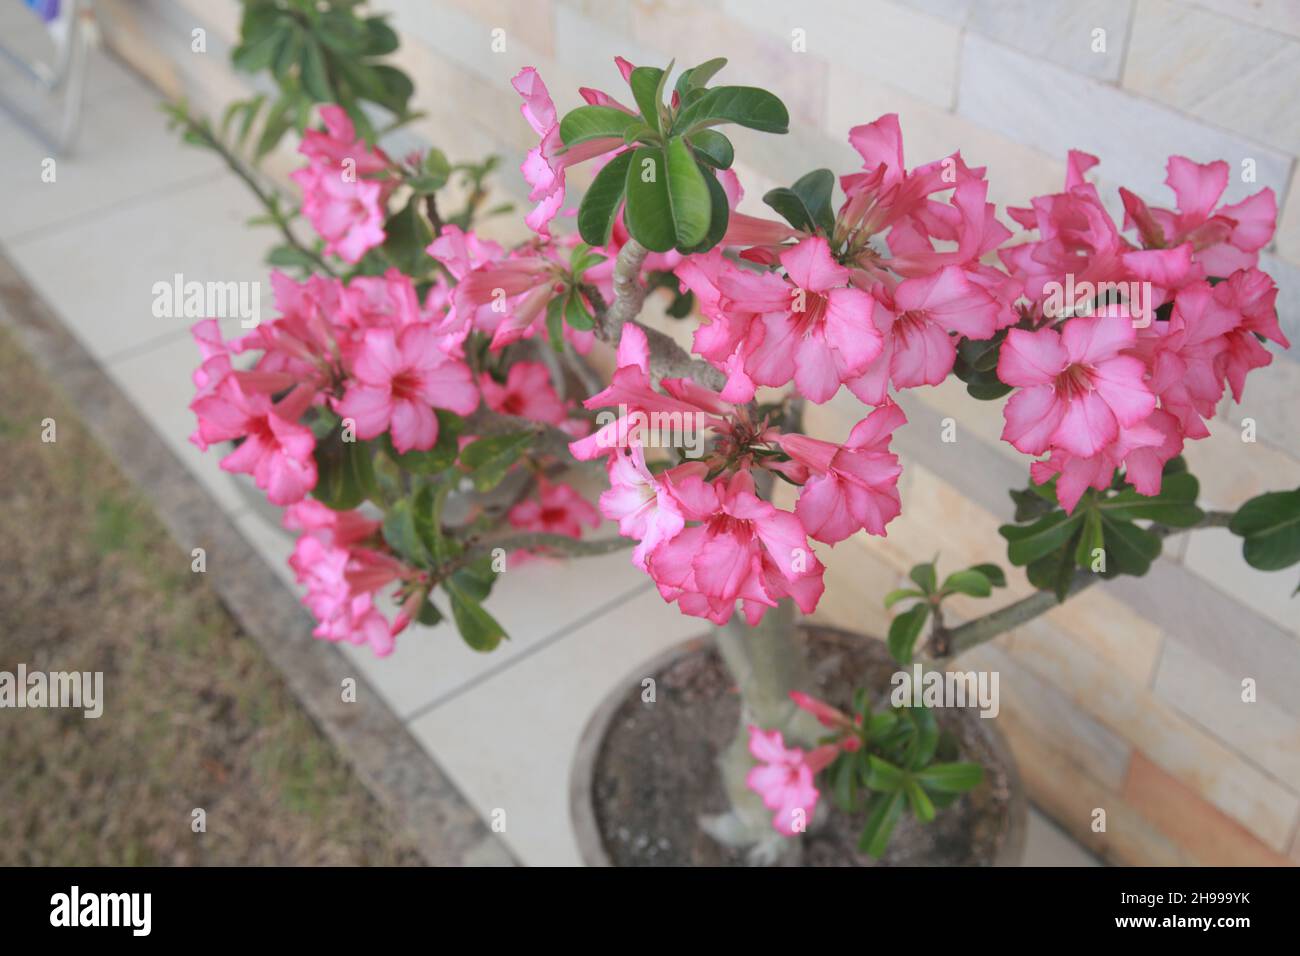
[47, 10]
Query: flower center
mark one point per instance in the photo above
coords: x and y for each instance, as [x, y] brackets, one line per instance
[1074, 382]
[908, 324]
[814, 310]
[405, 385]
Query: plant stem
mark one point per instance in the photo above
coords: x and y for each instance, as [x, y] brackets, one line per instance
[945, 644]
[237, 166]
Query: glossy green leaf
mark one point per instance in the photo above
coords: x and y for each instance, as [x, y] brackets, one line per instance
[904, 630]
[883, 812]
[994, 573]
[595, 122]
[1270, 525]
[600, 205]
[489, 459]
[1026, 544]
[713, 148]
[950, 777]
[477, 627]
[899, 594]
[647, 86]
[648, 215]
[746, 106]
[1129, 549]
[969, 582]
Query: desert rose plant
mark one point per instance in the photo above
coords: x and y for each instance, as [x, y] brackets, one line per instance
[415, 363]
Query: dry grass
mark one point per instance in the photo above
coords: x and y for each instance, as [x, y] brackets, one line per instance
[194, 715]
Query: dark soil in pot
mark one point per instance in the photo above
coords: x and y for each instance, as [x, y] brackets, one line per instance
[654, 773]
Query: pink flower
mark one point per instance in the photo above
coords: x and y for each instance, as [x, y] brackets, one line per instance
[631, 390]
[348, 214]
[1077, 390]
[853, 486]
[1225, 239]
[275, 449]
[1252, 294]
[640, 503]
[1140, 449]
[917, 323]
[822, 335]
[342, 575]
[557, 509]
[784, 778]
[744, 549]
[397, 381]
[339, 145]
[343, 201]
[545, 164]
[526, 392]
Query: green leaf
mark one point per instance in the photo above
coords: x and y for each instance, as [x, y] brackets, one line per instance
[290, 257]
[1054, 572]
[969, 582]
[257, 52]
[1129, 549]
[288, 54]
[274, 127]
[396, 85]
[1091, 538]
[883, 775]
[688, 195]
[315, 77]
[713, 148]
[576, 314]
[789, 207]
[380, 37]
[1026, 544]
[400, 532]
[595, 122]
[407, 236]
[1175, 506]
[883, 812]
[698, 77]
[904, 630]
[600, 205]
[428, 613]
[899, 594]
[555, 322]
[993, 573]
[436, 163]
[919, 801]
[1030, 505]
[345, 474]
[845, 781]
[981, 354]
[746, 106]
[1270, 525]
[477, 579]
[488, 459]
[719, 214]
[807, 204]
[924, 576]
[647, 89]
[436, 459]
[950, 777]
[477, 627]
[648, 215]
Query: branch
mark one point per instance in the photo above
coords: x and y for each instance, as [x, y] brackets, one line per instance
[667, 358]
[629, 292]
[204, 133]
[946, 643]
[533, 540]
[485, 422]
